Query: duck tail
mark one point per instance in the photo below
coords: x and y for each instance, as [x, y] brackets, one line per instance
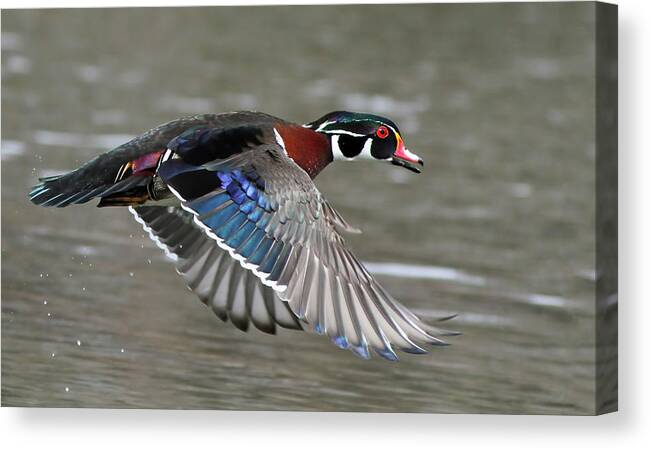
[71, 188]
[118, 178]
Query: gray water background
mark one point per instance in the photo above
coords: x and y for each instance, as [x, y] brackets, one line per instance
[499, 228]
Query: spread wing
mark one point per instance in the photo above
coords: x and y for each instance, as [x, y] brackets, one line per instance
[266, 213]
[232, 292]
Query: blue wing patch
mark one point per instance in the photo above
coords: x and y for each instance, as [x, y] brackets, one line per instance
[235, 209]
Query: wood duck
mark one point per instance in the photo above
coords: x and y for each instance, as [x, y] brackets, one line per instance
[230, 198]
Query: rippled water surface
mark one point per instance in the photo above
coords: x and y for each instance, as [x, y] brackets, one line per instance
[499, 227]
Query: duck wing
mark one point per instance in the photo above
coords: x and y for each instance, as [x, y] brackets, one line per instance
[267, 214]
[232, 292]
[132, 165]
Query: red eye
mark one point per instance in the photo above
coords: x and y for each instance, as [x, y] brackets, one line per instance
[382, 132]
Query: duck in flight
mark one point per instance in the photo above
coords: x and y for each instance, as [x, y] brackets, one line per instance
[230, 198]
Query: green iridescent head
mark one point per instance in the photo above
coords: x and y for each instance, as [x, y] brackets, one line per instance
[356, 135]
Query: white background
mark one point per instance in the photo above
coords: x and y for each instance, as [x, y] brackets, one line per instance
[629, 428]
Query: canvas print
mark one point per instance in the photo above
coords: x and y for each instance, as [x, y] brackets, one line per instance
[382, 208]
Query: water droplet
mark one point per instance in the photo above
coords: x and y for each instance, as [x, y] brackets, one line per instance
[148, 260]
[131, 273]
[53, 354]
[49, 314]
[67, 389]
[122, 350]
[69, 275]
[83, 288]
[41, 274]
[78, 343]
[45, 301]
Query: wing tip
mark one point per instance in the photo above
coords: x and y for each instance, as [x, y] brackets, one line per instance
[387, 354]
[415, 350]
[447, 318]
[361, 351]
[340, 341]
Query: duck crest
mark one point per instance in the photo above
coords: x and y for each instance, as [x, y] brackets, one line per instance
[310, 150]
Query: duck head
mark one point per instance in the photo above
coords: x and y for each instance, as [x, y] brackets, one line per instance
[355, 136]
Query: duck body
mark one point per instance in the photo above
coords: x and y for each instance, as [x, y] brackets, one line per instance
[230, 198]
[126, 175]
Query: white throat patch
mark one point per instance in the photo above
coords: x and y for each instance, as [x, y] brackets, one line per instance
[337, 154]
[366, 150]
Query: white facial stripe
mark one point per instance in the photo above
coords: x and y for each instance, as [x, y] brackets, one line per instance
[339, 156]
[341, 131]
[366, 150]
[391, 128]
[323, 125]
